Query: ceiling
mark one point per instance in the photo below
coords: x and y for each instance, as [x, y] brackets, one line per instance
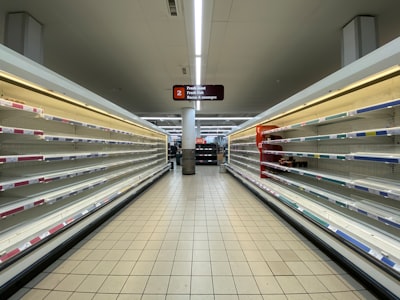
[132, 52]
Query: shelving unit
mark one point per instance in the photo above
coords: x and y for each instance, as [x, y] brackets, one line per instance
[206, 154]
[334, 161]
[62, 162]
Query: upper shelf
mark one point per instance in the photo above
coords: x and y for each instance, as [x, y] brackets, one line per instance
[393, 158]
[388, 104]
[18, 106]
[343, 135]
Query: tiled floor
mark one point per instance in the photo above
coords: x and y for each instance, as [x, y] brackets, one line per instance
[200, 236]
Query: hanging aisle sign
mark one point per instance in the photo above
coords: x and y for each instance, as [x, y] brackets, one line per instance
[198, 92]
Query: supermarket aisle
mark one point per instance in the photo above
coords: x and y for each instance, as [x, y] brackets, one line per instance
[200, 236]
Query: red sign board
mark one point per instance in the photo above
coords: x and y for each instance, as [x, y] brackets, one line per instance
[198, 92]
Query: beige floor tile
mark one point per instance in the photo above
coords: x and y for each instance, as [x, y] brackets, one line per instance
[324, 296]
[123, 268]
[182, 268]
[218, 255]
[148, 255]
[279, 268]
[333, 283]
[268, 285]
[236, 255]
[224, 285]
[179, 285]
[201, 255]
[311, 284]
[162, 268]
[81, 296]
[122, 245]
[201, 268]
[104, 267]
[288, 255]
[57, 295]
[157, 285]
[216, 245]
[185, 245]
[202, 285]
[66, 266]
[253, 255]
[240, 268]
[166, 255]
[221, 268]
[246, 285]
[298, 268]
[318, 267]
[134, 285]
[177, 297]
[259, 268]
[91, 283]
[143, 268]
[113, 284]
[201, 245]
[271, 255]
[96, 254]
[70, 282]
[85, 267]
[290, 285]
[105, 296]
[131, 255]
[47, 281]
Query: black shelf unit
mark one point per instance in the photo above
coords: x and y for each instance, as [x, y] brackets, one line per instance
[206, 154]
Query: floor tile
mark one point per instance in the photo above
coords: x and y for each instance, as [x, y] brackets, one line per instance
[202, 285]
[91, 283]
[179, 285]
[224, 285]
[192, 238]
[157, 285]
[246, 285]
[134, 285]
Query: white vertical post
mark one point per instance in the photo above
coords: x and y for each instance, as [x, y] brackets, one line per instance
[24, 35]
[358, 38]
[188, 141]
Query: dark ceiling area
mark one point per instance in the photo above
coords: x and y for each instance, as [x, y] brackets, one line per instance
[131, 52]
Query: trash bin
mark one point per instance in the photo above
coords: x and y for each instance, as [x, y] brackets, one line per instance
[178, 159]
[222, 168]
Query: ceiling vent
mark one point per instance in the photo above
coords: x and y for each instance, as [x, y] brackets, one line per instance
[172, 8]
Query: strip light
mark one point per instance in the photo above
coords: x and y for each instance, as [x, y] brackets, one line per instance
[199, 118]
[198, 24]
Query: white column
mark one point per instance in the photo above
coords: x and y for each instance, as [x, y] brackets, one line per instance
[358, 38]
[188, 141]
[24, 35]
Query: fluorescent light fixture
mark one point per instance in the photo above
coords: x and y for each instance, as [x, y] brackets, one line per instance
[202, 127]
[198, 70]
[198, 35]
[223, 118]
[198, 24]
[199, 118]
[198, 78]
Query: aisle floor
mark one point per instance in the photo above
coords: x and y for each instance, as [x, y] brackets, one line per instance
[200, 236]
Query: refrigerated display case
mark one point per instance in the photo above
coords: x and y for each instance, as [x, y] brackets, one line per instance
[328, 158]
[67, 158]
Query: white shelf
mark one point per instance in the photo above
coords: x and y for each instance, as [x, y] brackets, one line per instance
[339, 116]
[4, 103]
[336, 136]
[366, 239]
[390, 158]
[388, 216]
[384, 188]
